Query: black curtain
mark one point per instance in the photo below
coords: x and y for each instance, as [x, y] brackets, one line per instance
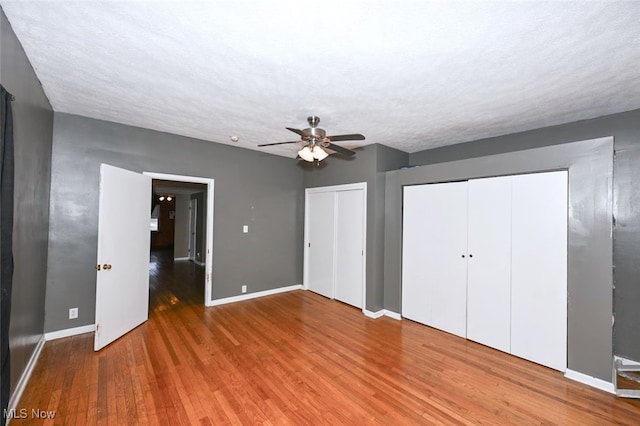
[6, 234]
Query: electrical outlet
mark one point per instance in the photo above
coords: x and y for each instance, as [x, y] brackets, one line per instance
[244, 288]
[73, 313]
[245, 229]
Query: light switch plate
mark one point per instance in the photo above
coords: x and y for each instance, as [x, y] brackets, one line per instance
[245, 229]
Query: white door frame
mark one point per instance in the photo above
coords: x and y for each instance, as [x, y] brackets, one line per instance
[208, 290]
[337, 188]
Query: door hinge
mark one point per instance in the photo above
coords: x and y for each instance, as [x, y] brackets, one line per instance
[97, 329]
[309, 244]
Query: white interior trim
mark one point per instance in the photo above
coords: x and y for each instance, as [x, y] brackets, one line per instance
[180, 258]
[625, 361]
[26, 375]
[255, 295]
[337, 188]
[208, 293]
[619, 364]
[382, 313]
[394, 315]
[591, 381]
[68, 332]
[374, 315]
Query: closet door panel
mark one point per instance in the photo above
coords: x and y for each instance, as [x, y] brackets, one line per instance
[349, 248]
[433, 269]
[321, 242]
[489, 276]
[539, 268]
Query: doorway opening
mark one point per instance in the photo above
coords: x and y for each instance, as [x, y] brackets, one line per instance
[185, 205]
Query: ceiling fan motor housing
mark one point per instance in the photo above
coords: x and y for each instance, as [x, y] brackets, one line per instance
[314, 133]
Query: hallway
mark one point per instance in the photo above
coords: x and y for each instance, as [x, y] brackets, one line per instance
[171, 282]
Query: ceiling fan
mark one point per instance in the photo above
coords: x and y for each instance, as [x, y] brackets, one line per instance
[315, 141]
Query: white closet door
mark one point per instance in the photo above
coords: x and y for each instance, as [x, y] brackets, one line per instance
[321, 234]
[489, 267]
[349, 248]
[539, 269]
[434, 239]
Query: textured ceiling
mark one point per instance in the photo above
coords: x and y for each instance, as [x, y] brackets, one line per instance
[411, 75]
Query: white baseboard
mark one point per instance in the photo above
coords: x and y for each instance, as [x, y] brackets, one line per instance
[391, 314]
[589, 380]
[68, 332]
[374, 315]
[248, 296]
[197, 262]
[382, 313]
[26, 375]
[177, 259]
[625, 361]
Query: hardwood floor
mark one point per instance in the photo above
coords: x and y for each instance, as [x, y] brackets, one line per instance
[296, 358]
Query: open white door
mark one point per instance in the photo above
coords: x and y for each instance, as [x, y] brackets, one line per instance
[122, 282]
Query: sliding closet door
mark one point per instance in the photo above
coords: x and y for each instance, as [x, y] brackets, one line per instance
[335, 240]
[434, 240]
[489, 266]
[321, 239]
[539, 269]
[349, 260]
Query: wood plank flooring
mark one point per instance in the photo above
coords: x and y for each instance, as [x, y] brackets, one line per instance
[296, 358]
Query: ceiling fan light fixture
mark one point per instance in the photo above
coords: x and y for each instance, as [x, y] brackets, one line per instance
[319, 153]
[315, 140]
[306, 154]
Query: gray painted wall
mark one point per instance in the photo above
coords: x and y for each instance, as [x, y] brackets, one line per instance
[625, 128]
[33, 129]
[590, 166]
[251, 187]
[388, 159]
[369, 166]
